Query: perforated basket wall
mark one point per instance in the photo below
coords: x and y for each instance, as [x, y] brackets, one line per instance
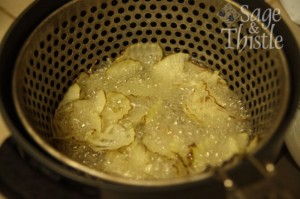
[83, 34]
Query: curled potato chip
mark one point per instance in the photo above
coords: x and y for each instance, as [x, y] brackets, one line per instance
[192, 69]
[124, 70]
[117, 105]
[242, 140]
[136, 161]
[72, 94]
[129, 162]
[81, 120]
[113, 137]
[204, 108]
[79, 117]
[136, 115]
[200, 152]
[170, 68]
[216, 86]
[147, 53]
[98, 101]
[137, 87]
[76, 119]
[90, 83]
[213, 152]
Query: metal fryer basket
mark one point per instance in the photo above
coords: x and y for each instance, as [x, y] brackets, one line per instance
[83, 34]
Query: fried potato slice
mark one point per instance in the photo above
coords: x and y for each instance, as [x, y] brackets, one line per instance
[170, 68]
[117, 105]
[79, 118]
[146, 53]
[124, 70]
[113, 137]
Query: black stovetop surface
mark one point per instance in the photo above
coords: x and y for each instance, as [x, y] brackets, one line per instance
[19, 180]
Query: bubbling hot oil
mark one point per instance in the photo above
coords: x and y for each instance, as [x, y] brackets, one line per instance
[145, 116]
